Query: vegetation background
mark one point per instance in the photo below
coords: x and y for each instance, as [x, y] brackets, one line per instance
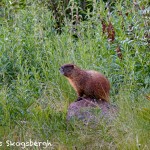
[37, 37]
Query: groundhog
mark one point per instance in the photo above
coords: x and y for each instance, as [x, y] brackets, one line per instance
[87, 83]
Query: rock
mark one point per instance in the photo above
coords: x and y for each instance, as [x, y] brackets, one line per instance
[88, 110]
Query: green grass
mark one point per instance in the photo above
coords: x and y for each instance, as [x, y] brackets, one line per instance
[34, 96]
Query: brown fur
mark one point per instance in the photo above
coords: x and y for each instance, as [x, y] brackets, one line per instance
[87, 83]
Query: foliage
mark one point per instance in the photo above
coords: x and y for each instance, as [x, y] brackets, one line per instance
[112, 38]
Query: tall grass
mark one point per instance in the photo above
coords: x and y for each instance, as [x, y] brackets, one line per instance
[34, 96]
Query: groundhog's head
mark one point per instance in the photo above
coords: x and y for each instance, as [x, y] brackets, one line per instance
[67, 69]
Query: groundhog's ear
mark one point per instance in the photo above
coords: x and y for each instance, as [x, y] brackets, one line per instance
[71, 66]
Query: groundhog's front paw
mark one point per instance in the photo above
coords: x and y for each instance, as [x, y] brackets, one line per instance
[79, 99]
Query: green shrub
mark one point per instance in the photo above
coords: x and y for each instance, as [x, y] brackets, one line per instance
[34, 96]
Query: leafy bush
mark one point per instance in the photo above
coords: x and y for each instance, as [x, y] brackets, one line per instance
[110, 37]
